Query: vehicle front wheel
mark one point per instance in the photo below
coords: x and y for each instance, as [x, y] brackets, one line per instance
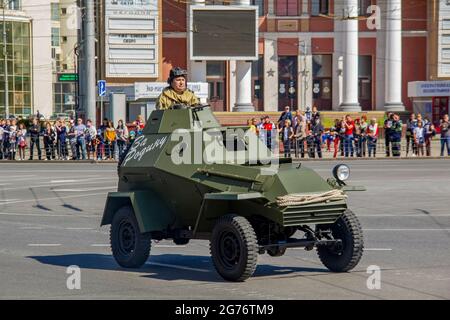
[129, 246]
[234, 248]
[343, 257]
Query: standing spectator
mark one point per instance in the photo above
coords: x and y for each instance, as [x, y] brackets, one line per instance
[6, 139]
[287, 133]
[357, 132]
[140, 122]
[387, 133]
[269, 128]
[335, 132]
[122, 138]
[286, 115]
[372, 137]
[445, 135]
[430, 132]
[101, 139]
[315, 114]
[363, 138]
[349, 127]
[396, 135]
[35, 132]
[110, 140]
[22, 140]
[419, 137]
[80, 131]
[300, 135]
[2, 133]
[12, 140]
[317, 131]
[49, 141]
[253, 125]
[411, 124]
[61, 133]
[91, 134]
[72, 136]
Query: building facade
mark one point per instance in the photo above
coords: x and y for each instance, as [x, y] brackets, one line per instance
[41, 36]
[338, 55]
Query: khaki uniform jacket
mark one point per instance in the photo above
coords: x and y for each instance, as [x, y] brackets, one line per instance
[169, 97]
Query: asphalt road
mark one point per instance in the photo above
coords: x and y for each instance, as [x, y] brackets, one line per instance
[50, 216]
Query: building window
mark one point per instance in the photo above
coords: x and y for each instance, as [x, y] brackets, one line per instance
[64, 97]
[55, 37]
[322, 81]
[19, 69]
[365, 82]
[287, 7]
[320, 7]
[363, 5]
[258, 83]
[15, 5]
[260, 5]
[55, 11]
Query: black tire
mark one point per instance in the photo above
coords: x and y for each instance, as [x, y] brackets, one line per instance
[234, 248]
[129, 246]
[343, 259]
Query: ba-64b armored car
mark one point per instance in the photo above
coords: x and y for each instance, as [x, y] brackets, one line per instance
[177, 182]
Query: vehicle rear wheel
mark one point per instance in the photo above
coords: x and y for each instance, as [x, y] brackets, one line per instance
[344, 257]
[234, 248]
[129, 246]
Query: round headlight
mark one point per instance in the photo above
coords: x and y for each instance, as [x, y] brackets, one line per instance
[341, 172]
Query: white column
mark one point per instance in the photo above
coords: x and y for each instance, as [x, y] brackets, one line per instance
[393, 57]
[243, 79]
[338, 58]
[305, 97]
[243, 87]
[270, 75]
[380, 64]
[350, 29]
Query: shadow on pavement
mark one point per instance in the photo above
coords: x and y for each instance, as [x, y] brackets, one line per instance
[166, 266]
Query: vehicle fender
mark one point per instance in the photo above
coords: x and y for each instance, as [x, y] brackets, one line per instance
[151, 212]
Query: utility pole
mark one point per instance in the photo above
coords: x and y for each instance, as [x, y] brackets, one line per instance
[5, 61]
[89, 61]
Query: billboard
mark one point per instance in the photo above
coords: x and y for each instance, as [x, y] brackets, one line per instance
[132, 44]
[223, 33]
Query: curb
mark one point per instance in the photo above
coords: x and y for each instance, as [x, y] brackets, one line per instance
[59, 161]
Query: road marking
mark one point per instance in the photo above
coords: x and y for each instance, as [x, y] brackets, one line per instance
[7, 200]
[406, 229]
[99, 245]
[403, 215]
[168, 246]
[31, 228]
[378, 249]
[44, 244]
[174, 266]
[62, 181]
[83, 182]
[56, 198]
[79, 228]
[45, 215]
[83, 190]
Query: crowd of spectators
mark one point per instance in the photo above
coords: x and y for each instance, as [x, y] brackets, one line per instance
[302, 133]
[66, 139]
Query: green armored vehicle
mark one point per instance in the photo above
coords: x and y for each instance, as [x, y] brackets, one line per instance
[188, 178]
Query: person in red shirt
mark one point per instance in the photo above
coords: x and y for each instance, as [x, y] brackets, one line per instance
[269, 127]
[349, 126]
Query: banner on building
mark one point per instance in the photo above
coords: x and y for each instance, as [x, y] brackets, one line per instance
[151, 90]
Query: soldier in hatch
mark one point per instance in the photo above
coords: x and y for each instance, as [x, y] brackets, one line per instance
[177, 92]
